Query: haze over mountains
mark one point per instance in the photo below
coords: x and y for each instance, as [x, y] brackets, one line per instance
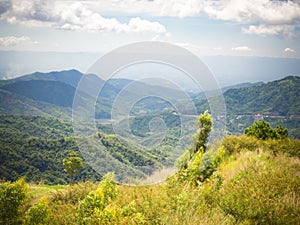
[228, 70]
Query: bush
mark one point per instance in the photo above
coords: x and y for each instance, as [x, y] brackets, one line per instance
[12, 196]
[39, 214]
[92, 209]
[73, 193]
[236, 144]
[263, 130]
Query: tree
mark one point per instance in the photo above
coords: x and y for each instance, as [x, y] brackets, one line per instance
[200, 140]
[263, 130]
[281, 133]
[204, 124]
[72, 165]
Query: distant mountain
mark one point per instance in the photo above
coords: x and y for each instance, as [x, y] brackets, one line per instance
[34, 145]
[279, 97]
[14, 104]
[71, 77]
[54, 92]
[59, 88]
[241, 85]
[277, 102]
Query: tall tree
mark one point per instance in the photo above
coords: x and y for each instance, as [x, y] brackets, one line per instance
[204, 124]
[72, 165]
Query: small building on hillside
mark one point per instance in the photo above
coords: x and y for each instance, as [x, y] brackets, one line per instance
[258, 117]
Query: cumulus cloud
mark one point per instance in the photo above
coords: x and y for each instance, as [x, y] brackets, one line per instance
[142, 26]
[288, 50]
[264, 11]
[241, 48]
[285, 30]
[260, 17]
[272, 17]
[73, 15]
[12, 40]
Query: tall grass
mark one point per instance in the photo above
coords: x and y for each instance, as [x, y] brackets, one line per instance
[256, 182]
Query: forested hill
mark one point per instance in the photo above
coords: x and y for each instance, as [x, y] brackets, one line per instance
[279, 97]
[36, 130]
[277, 102]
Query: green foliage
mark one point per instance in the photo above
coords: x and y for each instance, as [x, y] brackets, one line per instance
[246, 181]
[39, 214]
[277, 101]
[200, 139]
[72, 165]
[201, 166]
[263, 130]
[196, 164]
[93, 207]
[73, 194]
[276, 98]
[204, 123]
[35, 146]
[12, 197]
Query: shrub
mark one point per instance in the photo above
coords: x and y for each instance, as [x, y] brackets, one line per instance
[73, 193]
[93, 207]
[263, 130]
[12, 196]
[39, 214]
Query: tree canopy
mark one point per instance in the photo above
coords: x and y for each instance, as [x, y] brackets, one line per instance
[72, 165]
[263, 130]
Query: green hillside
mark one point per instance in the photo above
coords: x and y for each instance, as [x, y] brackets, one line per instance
[52, 92]
[14, 104]
[254, 182]
[34, 146]
[277, 102]
[276, 98]
[36, 128]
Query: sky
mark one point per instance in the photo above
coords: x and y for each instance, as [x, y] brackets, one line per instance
[259, 28]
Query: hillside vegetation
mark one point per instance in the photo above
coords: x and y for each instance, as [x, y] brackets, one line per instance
[255, 182]
[51, 94]
[242, 179]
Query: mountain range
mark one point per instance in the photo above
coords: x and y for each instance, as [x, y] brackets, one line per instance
[37, 132]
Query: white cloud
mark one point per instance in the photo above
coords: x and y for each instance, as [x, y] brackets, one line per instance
[180, 8]
[172, 8]
[272, 17]
[285, 30]
[241, 48]
[288, 50]
[143, 26]
[264, 11]
[263, 17]
[12, 40]
[73, 15]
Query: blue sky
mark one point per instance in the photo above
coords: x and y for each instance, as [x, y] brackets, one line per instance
[260, 28]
